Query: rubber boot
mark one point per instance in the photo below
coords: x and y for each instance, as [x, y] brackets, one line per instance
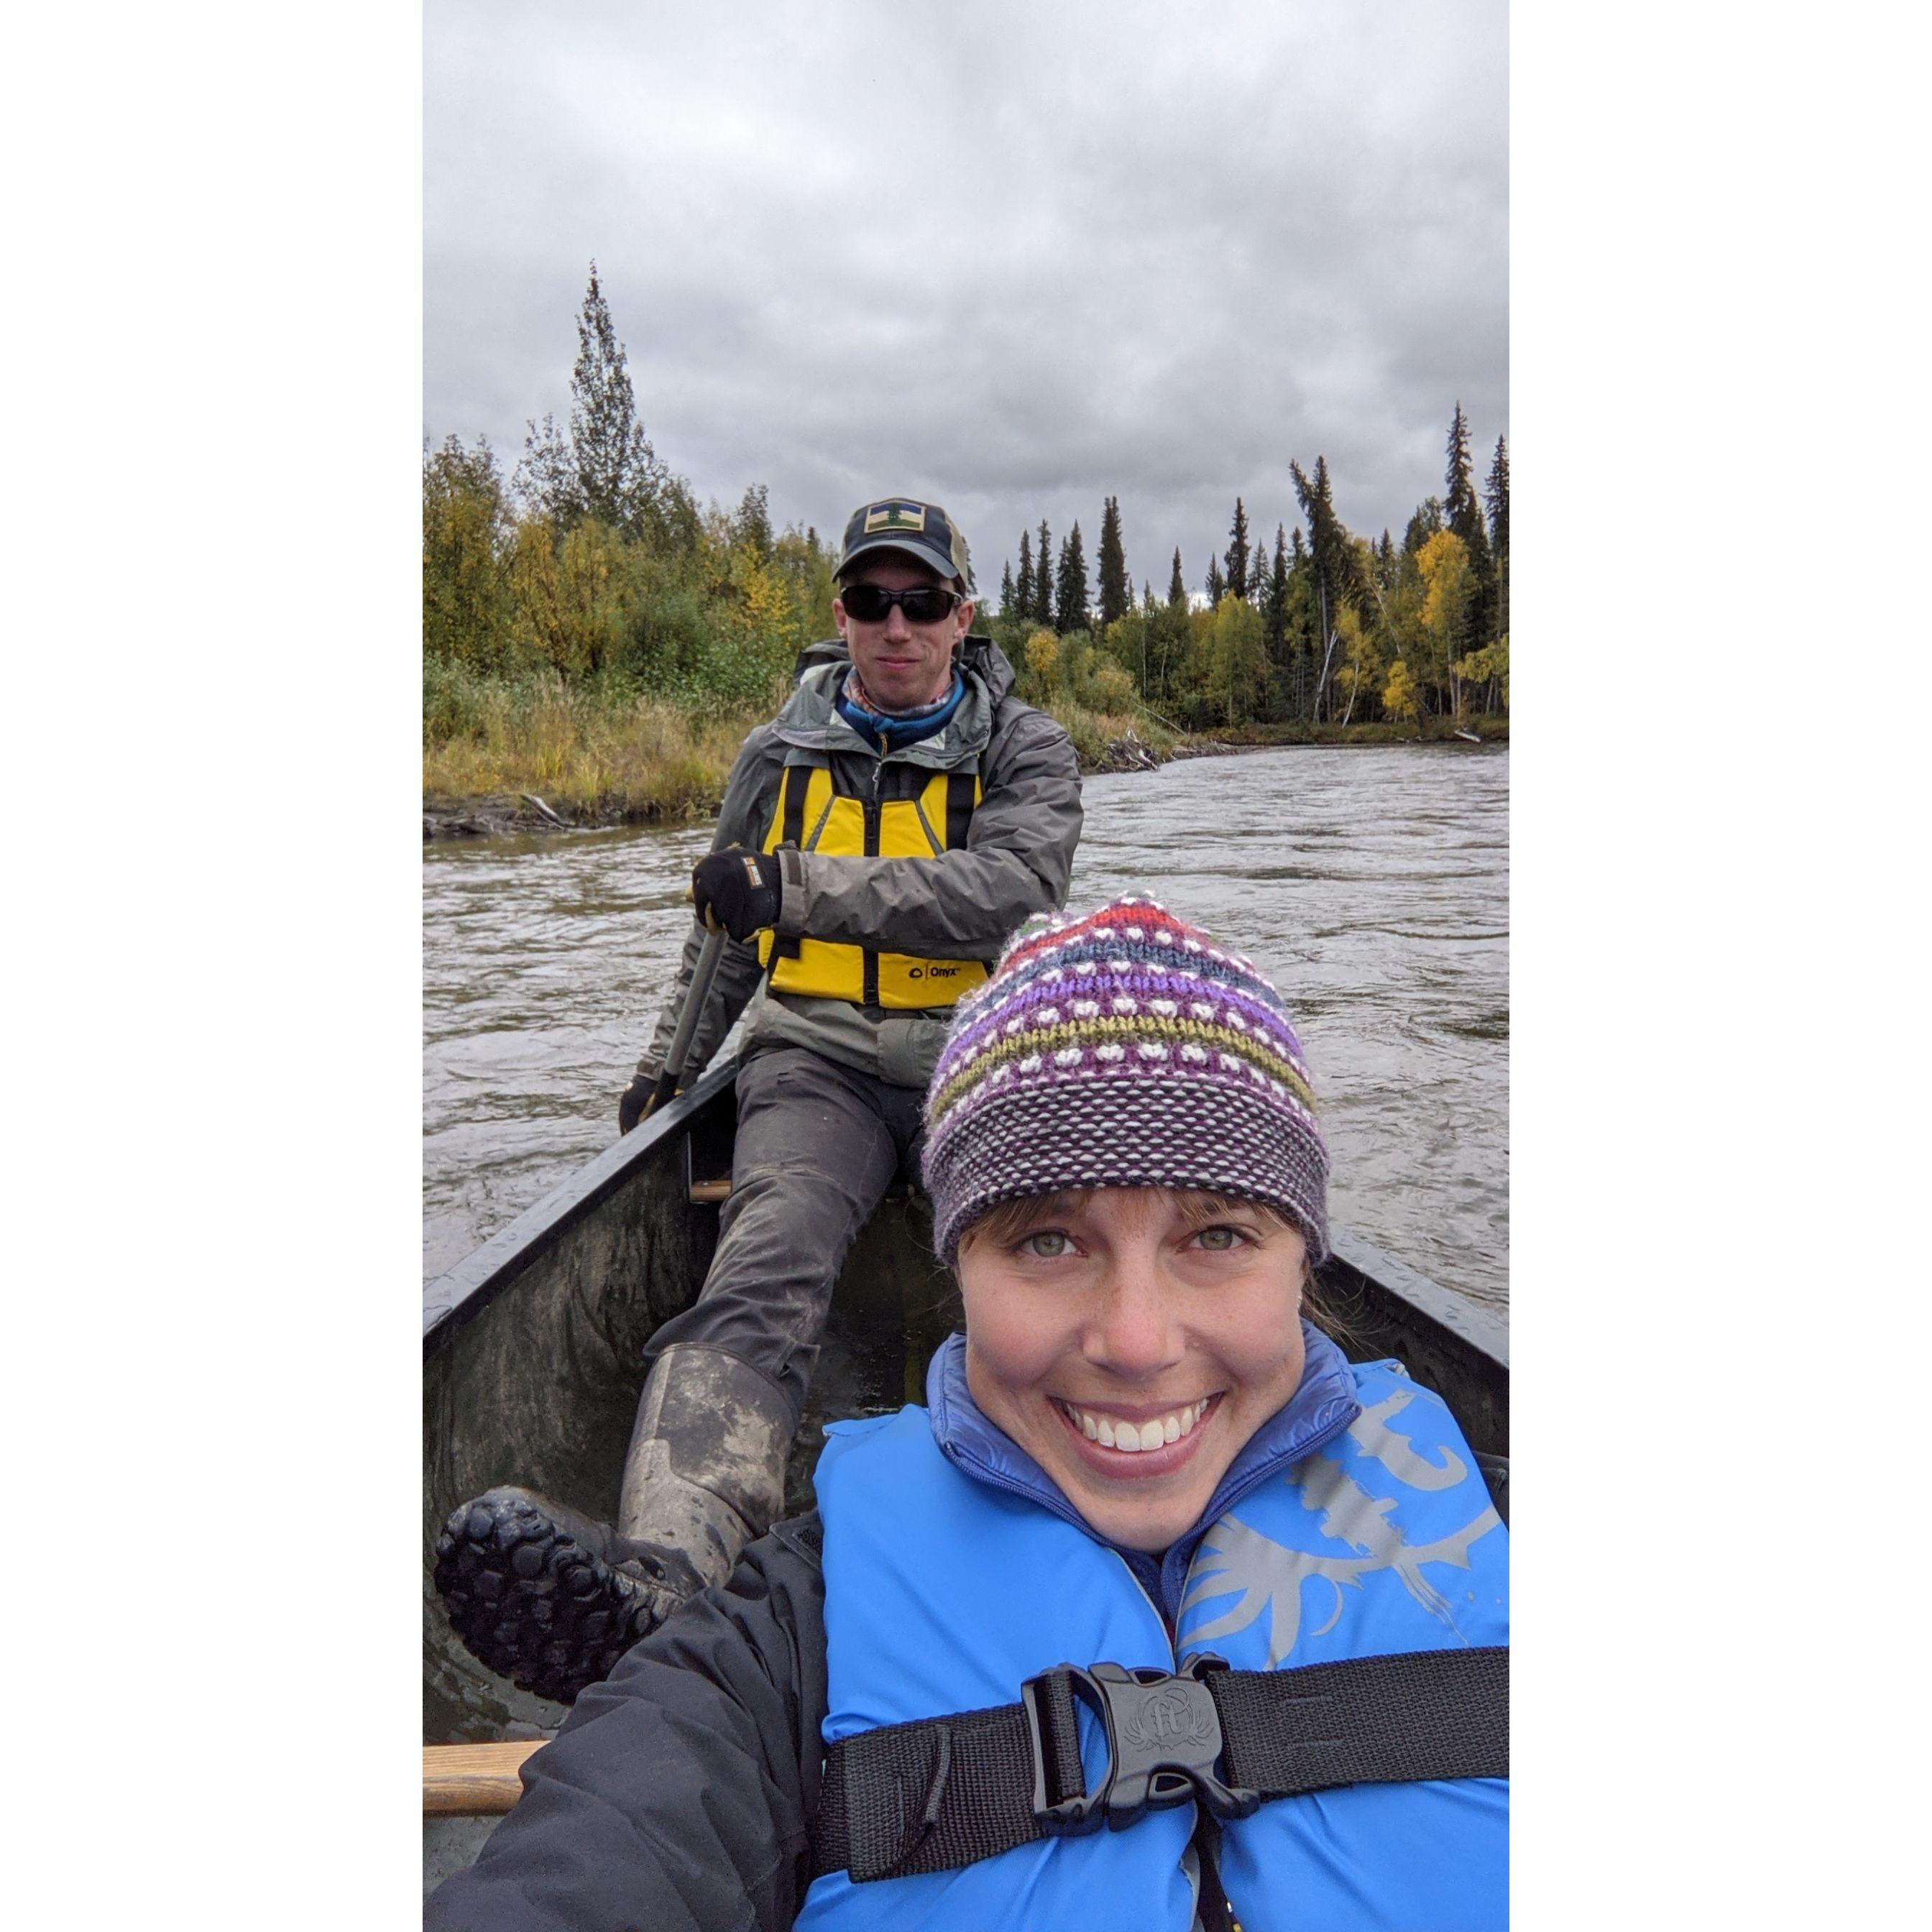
[551, 1599]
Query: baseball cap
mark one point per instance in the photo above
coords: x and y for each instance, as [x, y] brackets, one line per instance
[923, 530]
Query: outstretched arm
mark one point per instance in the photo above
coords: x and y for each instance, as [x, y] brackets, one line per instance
[680, 1794]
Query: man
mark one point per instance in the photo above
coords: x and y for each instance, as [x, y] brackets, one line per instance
[878, 840]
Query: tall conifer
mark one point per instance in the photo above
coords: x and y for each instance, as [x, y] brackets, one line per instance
[1464, 516]
[620, 479]
[1022, 604]
[1042, 577]
[1496, 502]
[1238, 553]
[1070, 592]
[1176, 584]
[1274, 600]
[1217, 584]
[1495, 499]
[1006, 588]
[1336, 568]
[1117, 592]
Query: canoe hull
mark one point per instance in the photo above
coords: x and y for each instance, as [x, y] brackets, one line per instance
[533, 1351]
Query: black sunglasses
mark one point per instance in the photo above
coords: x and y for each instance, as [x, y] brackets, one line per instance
[869, 603]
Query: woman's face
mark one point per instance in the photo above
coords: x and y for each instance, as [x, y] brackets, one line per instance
[1139, 1316]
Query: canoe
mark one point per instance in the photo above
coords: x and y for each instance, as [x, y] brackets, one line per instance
[533, 1345]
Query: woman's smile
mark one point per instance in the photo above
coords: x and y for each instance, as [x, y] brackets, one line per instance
[1131, 1440]
[1131, 1340]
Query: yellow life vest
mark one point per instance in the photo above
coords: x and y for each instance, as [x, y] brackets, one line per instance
[814, 815]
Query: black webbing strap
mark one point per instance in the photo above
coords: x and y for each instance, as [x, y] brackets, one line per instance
[1369, 1721]
[929, 1797]
[791, 818]
[936, 1795]
[791, 829]
[960, 787]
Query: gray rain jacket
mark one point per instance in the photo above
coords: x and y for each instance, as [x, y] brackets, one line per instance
[956, 905]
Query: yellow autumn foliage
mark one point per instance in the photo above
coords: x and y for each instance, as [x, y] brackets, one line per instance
[1402, 696]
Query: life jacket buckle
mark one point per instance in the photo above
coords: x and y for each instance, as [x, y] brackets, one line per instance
[1163, 1739]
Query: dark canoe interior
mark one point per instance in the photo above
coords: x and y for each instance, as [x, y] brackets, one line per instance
[531, 1347]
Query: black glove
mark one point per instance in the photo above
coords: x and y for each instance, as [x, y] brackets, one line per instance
[637, 1102]
[737, 889]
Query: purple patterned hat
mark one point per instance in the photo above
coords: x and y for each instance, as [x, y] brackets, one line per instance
[1123, 1048]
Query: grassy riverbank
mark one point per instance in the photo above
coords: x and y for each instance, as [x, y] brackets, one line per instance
[601, 754]
[597, 753]
[1383, 731]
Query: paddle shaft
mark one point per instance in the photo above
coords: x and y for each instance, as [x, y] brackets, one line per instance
[473, 1780]
[695, 995]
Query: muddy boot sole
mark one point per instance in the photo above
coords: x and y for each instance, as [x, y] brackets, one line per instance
[530, 1593]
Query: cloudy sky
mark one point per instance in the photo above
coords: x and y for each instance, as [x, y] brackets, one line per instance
[1013, 261]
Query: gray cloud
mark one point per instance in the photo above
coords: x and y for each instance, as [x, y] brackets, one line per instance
[1015, 263]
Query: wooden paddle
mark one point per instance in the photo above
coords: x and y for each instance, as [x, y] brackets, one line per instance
[473, 1780]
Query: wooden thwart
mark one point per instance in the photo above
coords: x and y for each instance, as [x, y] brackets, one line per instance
[473, 1780]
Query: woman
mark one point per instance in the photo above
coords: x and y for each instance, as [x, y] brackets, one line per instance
[1140, 1454]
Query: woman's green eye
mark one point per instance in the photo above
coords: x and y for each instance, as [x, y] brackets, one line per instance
[1220, 1238]
[1049, 1243]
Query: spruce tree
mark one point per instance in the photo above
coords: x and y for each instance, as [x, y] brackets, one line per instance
[1117, 592]
[1176, 584]
[1006, 588]
[1238, 553]
[1022, 604]
[1274, 600]
[1496, 502]
[1460, 506]
[1464, 516]
[1336, 568]
[1217, 585]
[1300, 625]
[1042, 578]
[1495, 499]
[619, 480]
[1070, 591]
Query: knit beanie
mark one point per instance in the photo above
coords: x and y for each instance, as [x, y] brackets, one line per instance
[1123, 1048]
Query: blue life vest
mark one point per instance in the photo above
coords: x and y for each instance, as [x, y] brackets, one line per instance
[943, 1594]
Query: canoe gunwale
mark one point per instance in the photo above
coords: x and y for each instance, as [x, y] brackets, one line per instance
[452, 1298]
[1468, 1327]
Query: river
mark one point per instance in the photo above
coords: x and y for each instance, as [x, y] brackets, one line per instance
[1370, 883]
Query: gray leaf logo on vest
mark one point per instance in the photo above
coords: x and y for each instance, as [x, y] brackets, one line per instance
[1269, 1575]
[1372, 1430]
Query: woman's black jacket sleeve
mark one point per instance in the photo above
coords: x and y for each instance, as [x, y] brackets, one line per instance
[679, 1796]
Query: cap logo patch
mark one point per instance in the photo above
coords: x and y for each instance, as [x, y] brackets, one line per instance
[910, 517]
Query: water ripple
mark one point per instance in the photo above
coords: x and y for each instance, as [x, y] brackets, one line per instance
[1371, 884]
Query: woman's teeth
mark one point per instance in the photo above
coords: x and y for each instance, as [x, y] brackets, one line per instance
[1111, 1433]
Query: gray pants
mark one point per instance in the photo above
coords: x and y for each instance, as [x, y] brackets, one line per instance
[818, 1145]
